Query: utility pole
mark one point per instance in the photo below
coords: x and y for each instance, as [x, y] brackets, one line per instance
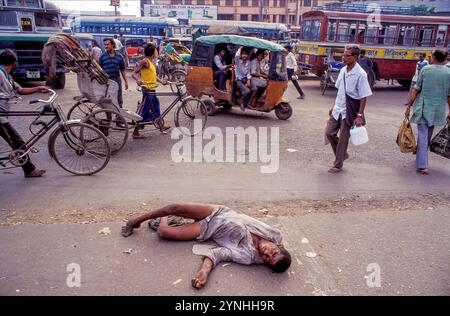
[115, 3]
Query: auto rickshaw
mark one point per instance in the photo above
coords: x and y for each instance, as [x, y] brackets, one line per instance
[200, 78]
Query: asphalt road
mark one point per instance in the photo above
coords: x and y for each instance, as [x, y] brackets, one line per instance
[377, 211]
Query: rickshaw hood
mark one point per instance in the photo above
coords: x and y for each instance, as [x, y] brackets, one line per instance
[242, 41]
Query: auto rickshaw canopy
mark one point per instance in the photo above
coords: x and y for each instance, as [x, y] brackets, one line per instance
[241, 41]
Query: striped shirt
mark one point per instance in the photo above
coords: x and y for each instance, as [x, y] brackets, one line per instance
[112, 65]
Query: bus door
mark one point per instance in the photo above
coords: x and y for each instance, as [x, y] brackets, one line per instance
[26, 20]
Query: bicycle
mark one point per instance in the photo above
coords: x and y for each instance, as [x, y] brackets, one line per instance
[77, 147]
[115, 126]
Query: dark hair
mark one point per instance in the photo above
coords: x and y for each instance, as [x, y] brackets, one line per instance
[363, 51]
[115, 36]
[149, 50]
[284, 263]
[113, 44]
[7, 58]
[288, 48]
[260, 52]
[245, 50]
[94, 43]
[440, 55]
[354, 49]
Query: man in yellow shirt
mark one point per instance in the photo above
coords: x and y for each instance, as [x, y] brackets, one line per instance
[149, 109]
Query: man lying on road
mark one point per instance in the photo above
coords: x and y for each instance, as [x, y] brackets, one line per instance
[241, 238]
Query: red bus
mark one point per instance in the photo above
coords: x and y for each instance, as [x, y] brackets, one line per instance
[393, 42]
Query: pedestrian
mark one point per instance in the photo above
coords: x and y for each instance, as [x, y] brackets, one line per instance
[448, 60]
[291, 66]
[118, 44]
[419, 66]
[8, 90]
[96, 51]
[353, 90]
[430, 95]
[150, 109]
[240, 238]
[366, 64]
[113, 64]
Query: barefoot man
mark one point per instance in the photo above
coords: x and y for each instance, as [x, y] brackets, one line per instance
[240, 238]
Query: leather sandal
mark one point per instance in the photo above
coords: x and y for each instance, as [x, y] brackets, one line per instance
[36, 173]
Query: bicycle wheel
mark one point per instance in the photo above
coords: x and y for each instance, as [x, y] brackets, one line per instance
[191, 114]
[79, 148]
[81, 109]
[112, 124]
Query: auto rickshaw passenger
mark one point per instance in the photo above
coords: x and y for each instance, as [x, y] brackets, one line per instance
[259, 75]
[243, 76]
[220, 70]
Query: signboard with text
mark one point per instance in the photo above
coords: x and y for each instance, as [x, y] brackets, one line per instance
[187, 12]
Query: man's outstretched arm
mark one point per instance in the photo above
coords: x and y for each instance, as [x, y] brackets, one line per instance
[202, 275]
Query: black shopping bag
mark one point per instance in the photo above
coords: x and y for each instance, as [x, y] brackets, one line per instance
[440, 144]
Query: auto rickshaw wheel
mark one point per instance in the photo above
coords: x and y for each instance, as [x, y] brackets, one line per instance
[323, 83]
[283, 111]
[210, 107]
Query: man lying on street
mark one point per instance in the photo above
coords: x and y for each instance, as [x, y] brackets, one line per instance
[240, 238]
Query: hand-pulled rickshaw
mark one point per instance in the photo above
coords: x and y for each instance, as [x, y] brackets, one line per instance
[98, 105]
[172, 63]
[200, 78]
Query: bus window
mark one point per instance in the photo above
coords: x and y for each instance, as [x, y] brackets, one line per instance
[306, 29]
[46, 19]
[425, 36]
[331, 32]
[361, 33]
[371, 35]
[128, 30]
[352, 35]
[390, 32]
[440, 38]
[315, 30]
[161, 32]
[103, 29]
[343, 32]
[8, 18]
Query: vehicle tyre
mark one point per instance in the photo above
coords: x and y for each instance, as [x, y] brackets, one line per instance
[112, 124]
[79, 148]
[211, 107]
[323, 83]
[81, 109]
[404, 82]
[283, 111]
[190, 111]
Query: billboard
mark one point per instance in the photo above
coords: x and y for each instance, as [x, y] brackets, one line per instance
[181, 11]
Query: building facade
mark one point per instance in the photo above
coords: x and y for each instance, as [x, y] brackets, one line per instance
[276, 11]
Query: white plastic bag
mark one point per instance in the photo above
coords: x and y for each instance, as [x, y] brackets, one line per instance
[359, 135]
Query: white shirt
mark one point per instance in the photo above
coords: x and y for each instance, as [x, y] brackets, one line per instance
[118, 44]
[419, 67]
[448, 64]
[357, 87]
[291, 63]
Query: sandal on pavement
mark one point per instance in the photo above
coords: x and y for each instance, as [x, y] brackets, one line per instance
[422, 170]
[334, 170]
[36, 173]
[138, 136]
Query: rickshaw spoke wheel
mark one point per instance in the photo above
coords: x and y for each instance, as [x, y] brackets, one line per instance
[191, 116]
[81, 109]
[113, 126]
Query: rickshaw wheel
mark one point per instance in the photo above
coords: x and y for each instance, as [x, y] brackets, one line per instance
[323, 83]
[210, 107]
[283, 111]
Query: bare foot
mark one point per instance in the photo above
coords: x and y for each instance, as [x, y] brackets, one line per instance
[200, 279]
[127, 229]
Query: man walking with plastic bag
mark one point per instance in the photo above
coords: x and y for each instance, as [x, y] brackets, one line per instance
[353, 90]
[430, 96]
